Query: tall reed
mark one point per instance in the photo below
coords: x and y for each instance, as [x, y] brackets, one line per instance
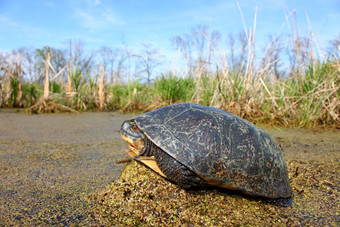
[253, 87]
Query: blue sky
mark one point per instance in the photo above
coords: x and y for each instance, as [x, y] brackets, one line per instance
[37, 23]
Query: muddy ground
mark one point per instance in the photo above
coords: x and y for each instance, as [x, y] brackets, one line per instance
[50, 162]
[60, 169]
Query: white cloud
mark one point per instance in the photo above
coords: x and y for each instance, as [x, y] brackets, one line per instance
[6, 22]
[94, 2]
[49, 4]
[10, 25]
[21, 34]
[94, 15]
[86, 19]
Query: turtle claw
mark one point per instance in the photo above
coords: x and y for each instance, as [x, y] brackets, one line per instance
[150, 161]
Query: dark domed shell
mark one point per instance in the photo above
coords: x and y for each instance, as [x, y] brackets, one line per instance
[223, 149]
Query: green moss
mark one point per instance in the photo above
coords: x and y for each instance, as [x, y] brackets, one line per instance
[141, 197]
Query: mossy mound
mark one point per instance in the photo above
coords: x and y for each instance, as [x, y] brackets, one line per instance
[141, 197]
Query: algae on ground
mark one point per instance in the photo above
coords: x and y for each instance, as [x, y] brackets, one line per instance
[141, 197]
[49, 164]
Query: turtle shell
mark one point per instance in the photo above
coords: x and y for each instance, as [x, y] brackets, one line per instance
[221, 148]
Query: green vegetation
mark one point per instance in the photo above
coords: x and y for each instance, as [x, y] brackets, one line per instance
[170, 88]
[308, 99]
[32, 92]
[306, 93]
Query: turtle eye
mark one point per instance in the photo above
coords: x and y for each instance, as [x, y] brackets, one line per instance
[134, 127]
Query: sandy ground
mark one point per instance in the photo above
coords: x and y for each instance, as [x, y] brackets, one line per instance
[50, 163]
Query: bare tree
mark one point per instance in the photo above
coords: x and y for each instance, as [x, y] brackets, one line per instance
[39, 65]
[113, 61]
[129, 55]
[231, 44]
[148, 58]
[334, 49]
[198, 47]
[122, 56]
[4, 57]
[27, 62]
[302, 49]
[271, 61]
[299, 54]
[79, 59]
[108, 57]
[238, 52]
[185, 44]
[57, 61]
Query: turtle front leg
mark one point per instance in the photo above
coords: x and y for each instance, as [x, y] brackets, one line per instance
[166, 166]
[175, 171]
[150, 162]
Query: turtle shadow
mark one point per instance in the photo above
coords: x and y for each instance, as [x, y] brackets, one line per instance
[279, 202]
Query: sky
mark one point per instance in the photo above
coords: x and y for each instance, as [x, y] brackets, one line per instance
[113, 23]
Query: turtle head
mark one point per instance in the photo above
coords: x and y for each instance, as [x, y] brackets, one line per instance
[134, 136]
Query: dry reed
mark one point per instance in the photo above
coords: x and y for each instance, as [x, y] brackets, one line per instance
[251, 87]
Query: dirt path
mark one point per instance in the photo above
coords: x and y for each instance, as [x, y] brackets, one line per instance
[50, 163]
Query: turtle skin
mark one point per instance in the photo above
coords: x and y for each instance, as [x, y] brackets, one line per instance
[172, 169]
[221, 149]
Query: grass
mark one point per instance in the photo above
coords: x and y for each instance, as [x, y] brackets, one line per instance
[171, 88]
[310, 99]
[305, 100]
[32, 91]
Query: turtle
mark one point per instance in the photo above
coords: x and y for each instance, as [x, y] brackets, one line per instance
[193, 145]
